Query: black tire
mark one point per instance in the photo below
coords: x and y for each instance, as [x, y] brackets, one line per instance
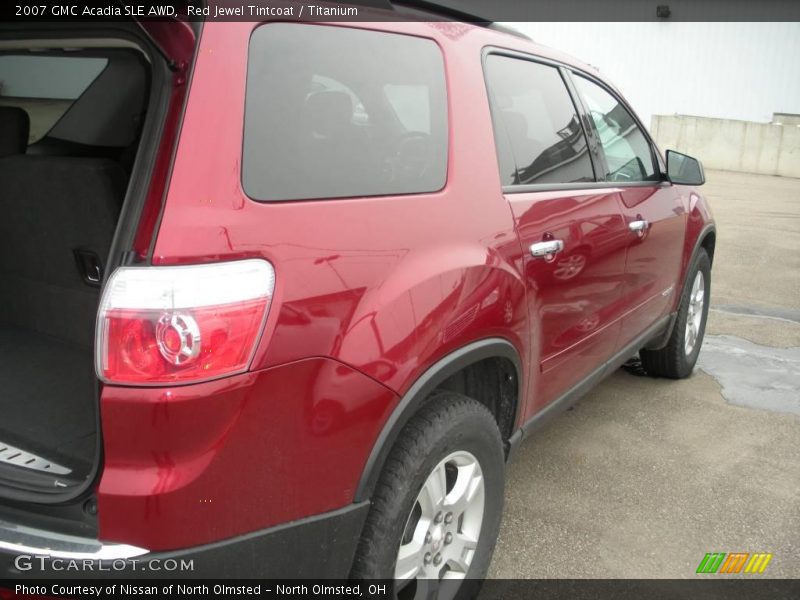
[448, 423]
[672, 361]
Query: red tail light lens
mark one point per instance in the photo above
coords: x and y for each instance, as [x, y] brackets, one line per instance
[162, 325]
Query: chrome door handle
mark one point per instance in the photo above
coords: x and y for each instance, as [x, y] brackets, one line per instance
[547, 249]
[638, 226]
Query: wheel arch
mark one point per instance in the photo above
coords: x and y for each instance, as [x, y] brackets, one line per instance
[441, 374]
[708, 241]
[705, 240]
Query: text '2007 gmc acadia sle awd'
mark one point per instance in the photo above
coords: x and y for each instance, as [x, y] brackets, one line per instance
[283, 297]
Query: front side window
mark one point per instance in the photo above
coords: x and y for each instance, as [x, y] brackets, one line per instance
[626, 148]
[336, 112]
[537, 131]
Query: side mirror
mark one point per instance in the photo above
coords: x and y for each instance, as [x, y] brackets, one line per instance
[684, 170]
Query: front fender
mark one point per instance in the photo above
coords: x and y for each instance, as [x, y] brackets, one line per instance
[699, 225]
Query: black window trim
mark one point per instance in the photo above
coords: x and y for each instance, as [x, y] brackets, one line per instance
[595, 148]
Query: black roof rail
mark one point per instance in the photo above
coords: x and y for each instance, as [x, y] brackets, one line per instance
[508, 30]
[444, 10]
[447, 10]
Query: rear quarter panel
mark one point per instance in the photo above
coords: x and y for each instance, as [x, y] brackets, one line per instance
[385, 284]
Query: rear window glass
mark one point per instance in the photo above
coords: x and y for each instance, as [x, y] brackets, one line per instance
[336, 112]
[45, 86]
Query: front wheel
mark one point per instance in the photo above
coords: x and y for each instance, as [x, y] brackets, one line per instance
[437, 506]
[677, 359]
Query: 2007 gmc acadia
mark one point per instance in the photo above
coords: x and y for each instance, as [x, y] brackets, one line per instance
[282, 297]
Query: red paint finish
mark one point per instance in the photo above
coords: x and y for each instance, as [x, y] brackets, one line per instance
[654, 258]
[698, 220]
[576, 300]
[191, 465]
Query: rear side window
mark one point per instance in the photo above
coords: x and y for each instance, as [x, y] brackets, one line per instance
[538, 134]
[336, 112]
[626, 148]
[45, 86]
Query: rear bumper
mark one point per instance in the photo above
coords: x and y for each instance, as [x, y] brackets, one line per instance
[186, 467]
[320, 547]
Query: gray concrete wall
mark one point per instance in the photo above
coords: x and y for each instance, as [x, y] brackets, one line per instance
[786, 119]
[765, 148]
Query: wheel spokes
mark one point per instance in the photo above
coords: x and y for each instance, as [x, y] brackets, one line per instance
[433, 492]
[691, 336]
[694, 313]
[468, 483]
[698, 298]
[460, 555]
[409, 560]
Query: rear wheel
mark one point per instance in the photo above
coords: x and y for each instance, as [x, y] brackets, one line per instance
[677, 359]
[436, 509]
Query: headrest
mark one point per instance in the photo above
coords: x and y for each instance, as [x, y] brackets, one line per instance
[15, 126]
[329, 111]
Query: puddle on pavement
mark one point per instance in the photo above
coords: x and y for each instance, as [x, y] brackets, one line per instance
[752, 375]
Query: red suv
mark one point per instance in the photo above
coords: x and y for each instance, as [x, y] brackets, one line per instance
[282, 297]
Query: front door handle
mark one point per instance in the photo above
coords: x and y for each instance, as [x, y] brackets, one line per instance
[547, 249]
[639, 226]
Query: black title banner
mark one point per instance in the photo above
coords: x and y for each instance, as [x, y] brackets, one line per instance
[382, 10]
[702, 588]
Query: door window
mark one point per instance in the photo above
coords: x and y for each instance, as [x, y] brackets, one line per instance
[538, 134]
[627, 151]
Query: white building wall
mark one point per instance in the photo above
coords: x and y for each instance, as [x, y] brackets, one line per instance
[744, 71]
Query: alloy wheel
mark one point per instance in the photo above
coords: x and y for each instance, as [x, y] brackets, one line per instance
[694, 316]
[442, 531]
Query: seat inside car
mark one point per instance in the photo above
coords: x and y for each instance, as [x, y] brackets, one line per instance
[14, 128]
[55, 210]
[334, 143]
[59, 214]
[525, 148]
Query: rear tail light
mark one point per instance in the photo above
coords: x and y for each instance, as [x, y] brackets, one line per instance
[182, 324]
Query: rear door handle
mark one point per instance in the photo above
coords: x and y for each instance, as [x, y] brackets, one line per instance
[638, 226]
[547, 249]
